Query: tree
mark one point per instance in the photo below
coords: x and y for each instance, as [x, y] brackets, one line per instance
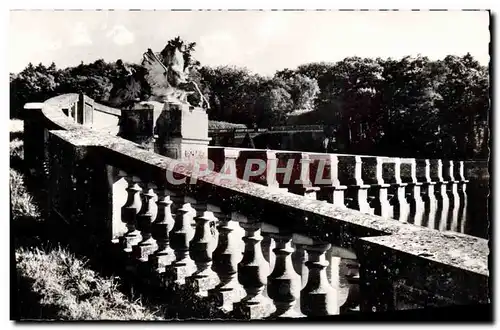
[463, 109]
[408, 112]
[233, 93]
[30, 85]
[272, 105]
[302, 89]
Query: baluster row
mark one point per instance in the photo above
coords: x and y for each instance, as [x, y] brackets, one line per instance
[386, 186]
[253, 270]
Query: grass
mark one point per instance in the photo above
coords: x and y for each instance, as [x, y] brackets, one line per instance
[22, 204]
[71, 290]
[52, 282]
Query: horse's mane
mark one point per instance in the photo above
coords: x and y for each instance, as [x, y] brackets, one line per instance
[165, 73]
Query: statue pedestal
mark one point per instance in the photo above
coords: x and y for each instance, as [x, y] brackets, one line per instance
[182, 132]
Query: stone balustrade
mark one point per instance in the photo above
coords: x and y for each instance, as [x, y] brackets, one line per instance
[249, 250]
[429, 193]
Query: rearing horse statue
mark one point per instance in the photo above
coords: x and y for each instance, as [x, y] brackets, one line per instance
[167, 74]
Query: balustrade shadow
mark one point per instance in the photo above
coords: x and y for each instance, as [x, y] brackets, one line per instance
[48, 232]
[45, 232]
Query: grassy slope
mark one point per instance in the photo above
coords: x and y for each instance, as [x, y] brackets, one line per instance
[53, 283]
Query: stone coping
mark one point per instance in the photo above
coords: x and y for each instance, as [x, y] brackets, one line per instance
[309, 217]
[314, 156]
[109, 110]
[441, 247]
[52, 110]
[404, 160]
[62, 100]
[317, 219]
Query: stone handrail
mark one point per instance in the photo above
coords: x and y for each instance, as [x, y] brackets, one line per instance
[423, 192]
[109, 110]
[272, 129]
[169, 232]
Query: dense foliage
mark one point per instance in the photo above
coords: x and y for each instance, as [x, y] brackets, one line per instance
[411, 107]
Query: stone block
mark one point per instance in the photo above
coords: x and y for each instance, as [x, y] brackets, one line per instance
[182, 132]
[414, 271]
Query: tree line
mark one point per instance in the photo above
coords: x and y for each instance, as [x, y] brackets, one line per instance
[409, 107]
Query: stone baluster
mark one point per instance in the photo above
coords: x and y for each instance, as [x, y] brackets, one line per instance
[129, 214]
[224, 160]
[462, 187]
[391, 171]
[119, 199]
[372, 175]
[332, 270]
[253, 270]
[267, 244]
[428, 195]
[454, 199]
[145, 219]
[318, 297]
[226, 257]
[284, 284]
[200, 250]
[180, 236]
[352, 303]
[162, 226]
[324, 171]
[303, 185]
[334, 255]
[288, 170]
[268, 177]
[299, 257]
[216, 155]
[441, 194]
[178, 201]
[271, 170]
[413, 191]
[229, 167]
[350, 174]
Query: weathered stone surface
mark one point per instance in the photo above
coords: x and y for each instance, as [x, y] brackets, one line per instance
[182, 132]
[77, 193]
[137, 124]
[392, 267]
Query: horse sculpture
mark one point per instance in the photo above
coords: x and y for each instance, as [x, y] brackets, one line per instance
[162, 77]
[167, 75]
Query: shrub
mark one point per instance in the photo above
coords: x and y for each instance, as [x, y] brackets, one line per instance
[213, 124]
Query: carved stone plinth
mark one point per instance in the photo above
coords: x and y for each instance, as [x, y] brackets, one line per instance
[225, 295]
[254, 309]
[182, 132]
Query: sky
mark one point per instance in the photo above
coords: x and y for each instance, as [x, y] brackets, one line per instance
[263, 41]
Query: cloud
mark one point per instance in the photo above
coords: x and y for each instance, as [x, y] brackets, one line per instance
[80, 35]
[120, 35]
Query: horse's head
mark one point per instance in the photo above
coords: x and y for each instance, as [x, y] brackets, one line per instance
[173, 58]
